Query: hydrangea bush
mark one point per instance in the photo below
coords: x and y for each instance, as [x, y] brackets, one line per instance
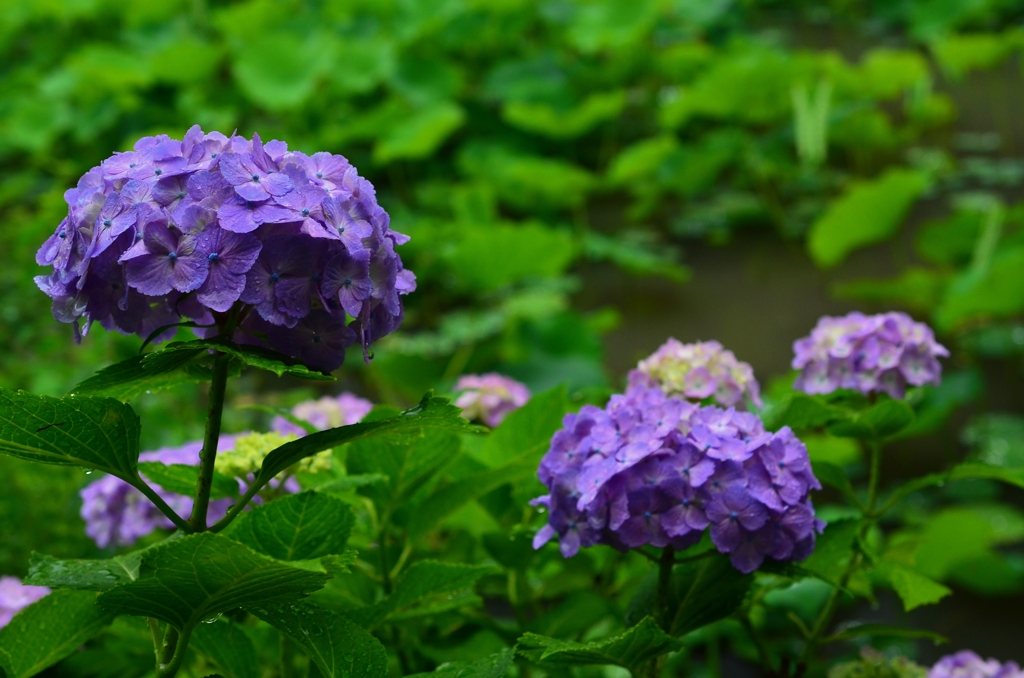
[342, 539]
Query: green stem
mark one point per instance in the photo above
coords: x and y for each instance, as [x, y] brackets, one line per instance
[665, 565]
[208, 456]
[159, 502]
[876, 461]
[170, 646]
[170, 668]
[158, 639]
[233, 512]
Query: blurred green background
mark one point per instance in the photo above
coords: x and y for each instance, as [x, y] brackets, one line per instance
[581, 179]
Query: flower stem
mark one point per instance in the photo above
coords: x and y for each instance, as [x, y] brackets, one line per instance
[876, 461]
[159, 502]
[208, 456]
[169, 668]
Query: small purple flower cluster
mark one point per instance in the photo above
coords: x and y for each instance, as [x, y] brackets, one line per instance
[654, 469]
[698, 371]
[967, 664]
[15, 596]
[117, 514]
[490, 397]
[327, 412]
[877, 353]
[187, 229]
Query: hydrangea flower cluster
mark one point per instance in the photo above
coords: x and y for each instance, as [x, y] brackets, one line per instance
[190, 229]
[490, 397]
[874, 664]
[327, 412]
[698, 371]
[655, 469]
[15, 596]
[876, 353]
[967, 664]
[117, 514]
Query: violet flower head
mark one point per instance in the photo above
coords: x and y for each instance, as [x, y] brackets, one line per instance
[967, 664]
[199, 228]
[489, 397]
[699, 371]
[651, 468]
[327, 412]
[877, 353]
[117, 514]
[15, 596]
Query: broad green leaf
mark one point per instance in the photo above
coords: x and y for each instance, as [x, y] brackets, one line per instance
[493, 666]
[525, 435]
[301, 526]
[279, 70]
[629, 649]
[835, 477]
[185, 581]
[182, 479]
[420, 133]
[915, 288]
[547, 120]
[640, 255]
[526, 182]
[49, 630]
[959, 53]
[336, 644]
[914, 588]
[997, 293]
[833, 551]
[804, 411]
[424, 584]
[869, 212]
[969, 471]
[636, 165]
[884, 631]
[433, 413]
[97, 433]
[129, 379]
[87, 575]
[253, 356]
[352, 482]
[613, 25]
[227, 646]
[885, 418]
[493, 256]
[447, 499]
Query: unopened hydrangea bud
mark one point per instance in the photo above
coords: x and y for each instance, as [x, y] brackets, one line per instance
[15, 596]
[327, 412]
[699, 371]
[967, 664]
[490, 397]
[192, 229]
[246, 457]
[876, 353]
[874, 664]
[654, 469]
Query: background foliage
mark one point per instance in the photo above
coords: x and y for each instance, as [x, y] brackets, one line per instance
[538, 151]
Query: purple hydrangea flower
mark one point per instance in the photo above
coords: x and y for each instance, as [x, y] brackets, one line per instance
[698, 371]
[117, 514]
[967, 664]
[490, 397]
[655, 469]
[876, 353]
[15, 596]
[199, 228]
[327, 412]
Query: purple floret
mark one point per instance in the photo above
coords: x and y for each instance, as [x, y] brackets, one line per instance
[15, 596]
[655, 469]
[202, 228]
[879, 353]
[327, 412]
[967, 664]
[490, 397]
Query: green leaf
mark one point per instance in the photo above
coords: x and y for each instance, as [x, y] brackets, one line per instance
[525, 435]
[182, 479]
[280, 70]
[833, 551]
[885, 418]
[301, 526]
[492, 666]
[129, 379]
[447, 499]
[87, 575]
[433, 413]
[638, 253]
[884, 631]
[868, 213]
[424, 585]
[997, 293]
[421, 133]
[49, 630]
[336, 644]
[187, 580]
[629, 649]
[253, 356]
[914, 588]
[493, 256]
[526, 182]
[969, 471]
[834, 476]
[97, 433]
[544, 119]
[227, 646]
[804, 411]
